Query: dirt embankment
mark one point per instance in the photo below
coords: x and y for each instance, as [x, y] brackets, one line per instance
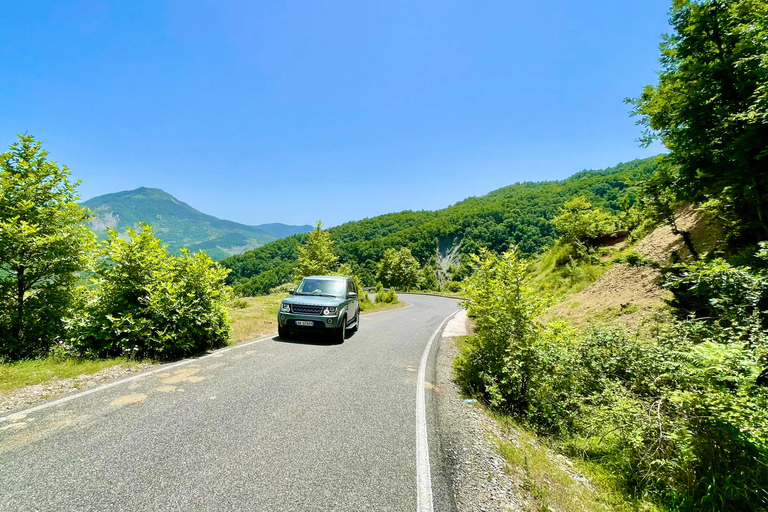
[627, 294]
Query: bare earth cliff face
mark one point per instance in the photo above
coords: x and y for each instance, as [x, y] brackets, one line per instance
[627, 294]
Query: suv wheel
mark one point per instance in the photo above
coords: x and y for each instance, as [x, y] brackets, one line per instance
[341, 332]
[283, 332]
[357, 322]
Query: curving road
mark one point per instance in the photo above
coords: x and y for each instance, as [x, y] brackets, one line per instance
[269, 425]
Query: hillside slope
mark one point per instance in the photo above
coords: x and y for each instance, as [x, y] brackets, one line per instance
[180, 225]
[519, 214]
[626, 294]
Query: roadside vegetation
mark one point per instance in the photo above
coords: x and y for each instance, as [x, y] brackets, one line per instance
[675, 413]
[672, 414]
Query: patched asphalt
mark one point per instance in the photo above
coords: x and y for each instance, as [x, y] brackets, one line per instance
[277, 425]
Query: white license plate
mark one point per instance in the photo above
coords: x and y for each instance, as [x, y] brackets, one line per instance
[305, 323]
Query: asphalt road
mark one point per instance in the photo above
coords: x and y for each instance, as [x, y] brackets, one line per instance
[272, 425]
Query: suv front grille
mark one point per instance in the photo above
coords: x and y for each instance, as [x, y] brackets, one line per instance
[304, 309]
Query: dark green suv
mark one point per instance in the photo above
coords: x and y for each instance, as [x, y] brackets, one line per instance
[321, 304]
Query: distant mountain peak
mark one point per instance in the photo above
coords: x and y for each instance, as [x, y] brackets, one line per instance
[179, 224]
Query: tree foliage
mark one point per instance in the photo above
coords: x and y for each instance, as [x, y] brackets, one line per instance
[578, 221]
[399, 268]
[518, 215]
[317, 256]
[149, 303]
[43, 243]
[710, 107]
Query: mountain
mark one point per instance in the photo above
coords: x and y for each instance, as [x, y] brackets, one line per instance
[179, 225]
[519, 214]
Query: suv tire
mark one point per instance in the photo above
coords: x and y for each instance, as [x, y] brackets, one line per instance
[283, 332]
[357, 322]
[341, 333]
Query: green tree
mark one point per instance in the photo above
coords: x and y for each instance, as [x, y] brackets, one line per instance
[399, 268]
[710, 107]
[43, 243]
[578, 221]
[317, 256]
[503, 363]
[149, 303]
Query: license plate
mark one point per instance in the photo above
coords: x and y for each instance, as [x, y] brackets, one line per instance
[305, 323]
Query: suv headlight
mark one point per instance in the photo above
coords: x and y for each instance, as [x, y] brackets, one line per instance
[330, 311]
[285, 308]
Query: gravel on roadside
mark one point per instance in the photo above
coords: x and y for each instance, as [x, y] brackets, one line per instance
[31, 396]
[477, 471]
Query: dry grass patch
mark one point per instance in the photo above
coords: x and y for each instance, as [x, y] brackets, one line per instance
[251, 317]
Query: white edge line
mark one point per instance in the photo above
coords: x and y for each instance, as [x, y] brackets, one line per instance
[423, 471]
[156, 370]
[366, 315]
[129, 379]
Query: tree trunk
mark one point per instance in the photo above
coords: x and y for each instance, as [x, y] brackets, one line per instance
[760, 204]
[18, 328]
[686, 238]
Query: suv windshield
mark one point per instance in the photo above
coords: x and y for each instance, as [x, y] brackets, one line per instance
[329, 287]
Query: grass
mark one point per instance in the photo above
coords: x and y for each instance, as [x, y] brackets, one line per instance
[254, 316]
[381, 306]
[554, 482]
[250, 317]
[557, 274]
[39, 371]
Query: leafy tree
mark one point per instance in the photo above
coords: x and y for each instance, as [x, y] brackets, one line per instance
[149, 303]
[400, 268]
[317, 256]
[579, 221]
[502, 364]
[43, 242]
[710, 107]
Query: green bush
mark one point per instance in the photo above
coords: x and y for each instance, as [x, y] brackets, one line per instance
[283, 288]
[147, 303]
[389, 296]
[502, 363]
[453, 287]
[716, 291]
[679, 413]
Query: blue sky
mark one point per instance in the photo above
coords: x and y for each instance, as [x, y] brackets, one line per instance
[302, 111]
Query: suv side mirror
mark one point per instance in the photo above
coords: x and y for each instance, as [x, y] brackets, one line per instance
[291, 291]
[352, 295]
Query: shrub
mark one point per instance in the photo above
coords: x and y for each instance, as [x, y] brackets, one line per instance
[148, 303]
[453, 287]
[283, 288]
[502, 363]
[679, 413]
[389, 296]
[717, 291]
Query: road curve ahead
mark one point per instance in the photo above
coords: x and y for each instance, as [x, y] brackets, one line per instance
[273, 425]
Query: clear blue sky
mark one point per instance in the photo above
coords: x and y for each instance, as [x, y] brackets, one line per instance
[294, 112]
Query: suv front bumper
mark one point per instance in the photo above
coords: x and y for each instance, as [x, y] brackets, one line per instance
[288, 320]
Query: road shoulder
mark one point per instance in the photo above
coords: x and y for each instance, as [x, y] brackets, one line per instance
[476, 470]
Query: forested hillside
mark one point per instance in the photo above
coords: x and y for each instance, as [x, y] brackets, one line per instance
[178, 224]
[519, 214]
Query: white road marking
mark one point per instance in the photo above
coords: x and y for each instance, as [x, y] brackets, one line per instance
[163, 368]
[129, 379]
[423, 471]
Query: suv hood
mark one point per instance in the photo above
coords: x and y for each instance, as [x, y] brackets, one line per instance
[314, 300]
